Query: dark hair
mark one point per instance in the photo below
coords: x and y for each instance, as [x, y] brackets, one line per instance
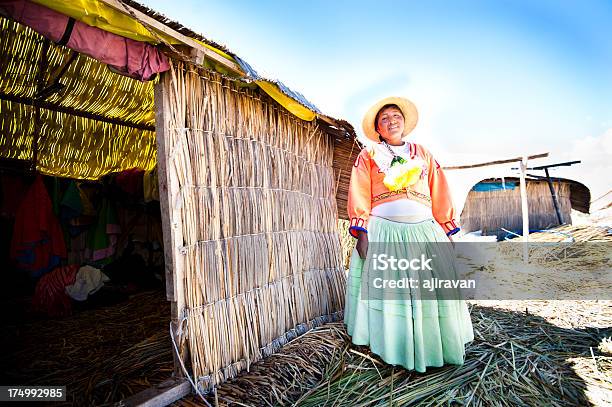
[383, 108]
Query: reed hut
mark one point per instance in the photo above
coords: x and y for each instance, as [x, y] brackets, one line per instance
[495, 203]
[252, 177]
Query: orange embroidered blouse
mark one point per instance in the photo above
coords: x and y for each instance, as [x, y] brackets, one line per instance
[366, 190]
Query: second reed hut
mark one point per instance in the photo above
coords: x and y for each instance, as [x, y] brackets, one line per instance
[495, 203]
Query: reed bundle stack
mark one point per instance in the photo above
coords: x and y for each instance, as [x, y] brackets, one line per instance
[255, 213]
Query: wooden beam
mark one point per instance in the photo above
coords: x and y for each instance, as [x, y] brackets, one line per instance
[524, 210]
[158, 27]
[161, 115]
[509, 160]
[170, 215]
[40, 83]
[161, 395]
[553, 193]
[565, 164]
[55, 107]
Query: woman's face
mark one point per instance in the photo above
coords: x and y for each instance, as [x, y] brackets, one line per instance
[390, 125]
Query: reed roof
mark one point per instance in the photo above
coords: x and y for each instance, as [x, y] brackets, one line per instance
[99, 122]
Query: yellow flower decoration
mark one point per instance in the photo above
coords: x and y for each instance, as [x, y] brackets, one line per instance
[402, 175]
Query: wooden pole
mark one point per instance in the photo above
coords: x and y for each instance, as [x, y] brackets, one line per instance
[509, 160]
[43, 64]
[56, 107]
[524, 209]
[553, 193]
[170, 216]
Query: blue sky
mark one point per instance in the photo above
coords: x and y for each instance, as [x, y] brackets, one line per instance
[490, 78]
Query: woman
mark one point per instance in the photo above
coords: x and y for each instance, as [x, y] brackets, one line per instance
[399, 201]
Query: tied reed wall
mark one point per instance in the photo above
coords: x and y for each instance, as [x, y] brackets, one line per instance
[490, 211]
[252, 243]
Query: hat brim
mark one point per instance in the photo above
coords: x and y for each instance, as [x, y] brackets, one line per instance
[409, 110]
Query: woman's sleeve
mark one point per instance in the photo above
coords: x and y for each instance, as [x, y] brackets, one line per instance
[360, 196]
[441, 200]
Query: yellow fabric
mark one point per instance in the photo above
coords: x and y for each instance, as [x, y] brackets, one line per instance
[288, 103]
[98, 14]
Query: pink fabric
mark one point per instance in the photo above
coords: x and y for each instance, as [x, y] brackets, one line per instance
[135, 59]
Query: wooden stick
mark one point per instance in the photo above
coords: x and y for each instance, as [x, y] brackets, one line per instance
[510, 160]
[524, 210]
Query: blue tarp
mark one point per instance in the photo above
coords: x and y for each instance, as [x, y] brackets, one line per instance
[493, 186]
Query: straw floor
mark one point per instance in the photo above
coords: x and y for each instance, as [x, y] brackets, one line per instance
[101, 355]
[525, 353]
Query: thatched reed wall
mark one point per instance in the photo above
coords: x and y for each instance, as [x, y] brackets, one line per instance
[98, 123]
[253, 211]
[490, 211]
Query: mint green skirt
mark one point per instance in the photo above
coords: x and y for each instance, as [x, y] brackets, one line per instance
[409, 332]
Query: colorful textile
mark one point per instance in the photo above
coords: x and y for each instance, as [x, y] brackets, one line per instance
[38, 242]
[367, 189]
[50, 296]
[406, 331]
[76, 211]
[71, 208]
[135, 59]
[104, 235]
[88, 280]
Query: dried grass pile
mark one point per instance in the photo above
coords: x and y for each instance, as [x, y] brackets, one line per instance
[566, 248]
[101, 355]
[519, 357]
[578, 233]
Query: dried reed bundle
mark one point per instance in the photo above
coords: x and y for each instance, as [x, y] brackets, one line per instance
[257, 214]
[516, 359]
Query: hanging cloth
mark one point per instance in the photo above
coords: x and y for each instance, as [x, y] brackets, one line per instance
[105, 234]
[38, 244]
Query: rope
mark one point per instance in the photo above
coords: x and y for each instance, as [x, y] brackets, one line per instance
[183, 249]
[178, 355]
[252, 290]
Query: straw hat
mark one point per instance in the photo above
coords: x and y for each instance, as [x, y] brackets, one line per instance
[411, 116]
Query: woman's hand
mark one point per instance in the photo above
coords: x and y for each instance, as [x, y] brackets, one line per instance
[362, 244]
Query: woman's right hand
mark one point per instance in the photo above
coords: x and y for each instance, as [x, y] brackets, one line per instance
[362, 244]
